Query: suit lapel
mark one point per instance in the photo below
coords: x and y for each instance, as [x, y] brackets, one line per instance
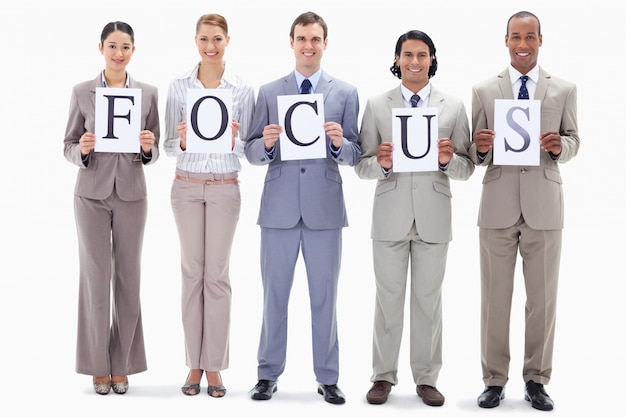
[436, 100]
[324, 86]
[542, 85]
[504, 84]
[290, 86]
[395, 98]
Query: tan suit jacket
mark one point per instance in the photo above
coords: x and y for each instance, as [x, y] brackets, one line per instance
[407, 197]
[532, 191]
[105, 169]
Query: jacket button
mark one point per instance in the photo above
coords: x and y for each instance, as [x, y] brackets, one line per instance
[303, 170]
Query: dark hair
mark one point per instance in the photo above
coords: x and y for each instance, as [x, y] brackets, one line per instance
[521, 14]
[308, 18]
[113, 26]
[213, 20]
[420, 36]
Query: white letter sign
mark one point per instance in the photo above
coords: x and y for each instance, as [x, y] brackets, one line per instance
[517, 124]
[415, 132]
[302, 118]
[118, 120]
[209, 128]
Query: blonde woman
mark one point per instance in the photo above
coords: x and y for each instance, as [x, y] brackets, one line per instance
[206, 203]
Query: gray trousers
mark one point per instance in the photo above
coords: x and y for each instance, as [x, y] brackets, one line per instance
[110, 334]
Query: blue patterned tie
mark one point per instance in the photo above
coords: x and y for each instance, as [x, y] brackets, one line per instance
[305, 88]
[414, 100]
[523, 91]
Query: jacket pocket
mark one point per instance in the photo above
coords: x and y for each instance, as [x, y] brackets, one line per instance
[384, 186]
[553, 175]
[442, 188]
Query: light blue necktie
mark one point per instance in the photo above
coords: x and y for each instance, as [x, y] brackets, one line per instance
[523, 91]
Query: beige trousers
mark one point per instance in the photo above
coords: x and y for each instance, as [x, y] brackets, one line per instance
[206, 217]
[540, 251]
[427, 267]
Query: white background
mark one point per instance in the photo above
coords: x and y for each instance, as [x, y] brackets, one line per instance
[47, 47]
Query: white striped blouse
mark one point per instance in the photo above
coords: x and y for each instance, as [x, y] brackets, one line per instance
[176, 111]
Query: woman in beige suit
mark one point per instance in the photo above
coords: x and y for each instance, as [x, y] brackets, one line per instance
[110, 210]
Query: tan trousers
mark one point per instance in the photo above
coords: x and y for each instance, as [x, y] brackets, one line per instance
[110, 334]
[427, 268]
[206, 217]
[541, 252]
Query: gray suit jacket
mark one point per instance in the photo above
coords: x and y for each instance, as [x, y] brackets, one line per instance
[423, 197]
[106, 170]
[532, 191]
[309, 189]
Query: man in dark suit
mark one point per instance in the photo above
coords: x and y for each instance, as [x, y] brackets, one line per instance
[302, 208]
[521, 210]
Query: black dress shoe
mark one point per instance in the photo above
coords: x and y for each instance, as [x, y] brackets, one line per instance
[491, 397]
[332, 394]
[538, 397]
[263, 390]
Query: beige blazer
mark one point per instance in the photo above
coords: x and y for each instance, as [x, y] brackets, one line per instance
[532, 191]
[421, 197]
[106, 170]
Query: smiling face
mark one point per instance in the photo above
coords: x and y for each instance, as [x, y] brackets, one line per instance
[211, 42]
[308, 46]
[414, 62]
[523, 40]
[117, 50]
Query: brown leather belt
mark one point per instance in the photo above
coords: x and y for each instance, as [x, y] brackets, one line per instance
[208, 182]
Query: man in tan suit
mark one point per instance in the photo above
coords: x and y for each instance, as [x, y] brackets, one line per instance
[411, 220]
[522, 210]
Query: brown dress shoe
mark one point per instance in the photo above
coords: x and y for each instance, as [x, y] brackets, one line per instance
[379, 392]
[430, 395]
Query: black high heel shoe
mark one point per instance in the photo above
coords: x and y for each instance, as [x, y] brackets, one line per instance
[191, 389]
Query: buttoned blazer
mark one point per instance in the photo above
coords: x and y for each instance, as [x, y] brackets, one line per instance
[532, 191]
[406, 197]
[107, 170]
[308, 189]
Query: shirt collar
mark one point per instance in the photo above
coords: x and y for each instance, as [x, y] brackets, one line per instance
[424, 94]
[533, 74]
[314, 78]
[228, 77]
[104, 80]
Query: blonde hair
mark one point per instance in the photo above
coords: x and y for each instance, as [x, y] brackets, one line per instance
[212, 19]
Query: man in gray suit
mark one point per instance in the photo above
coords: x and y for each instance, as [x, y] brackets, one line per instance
[302, 208]
[522, 210]
[411, 220]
